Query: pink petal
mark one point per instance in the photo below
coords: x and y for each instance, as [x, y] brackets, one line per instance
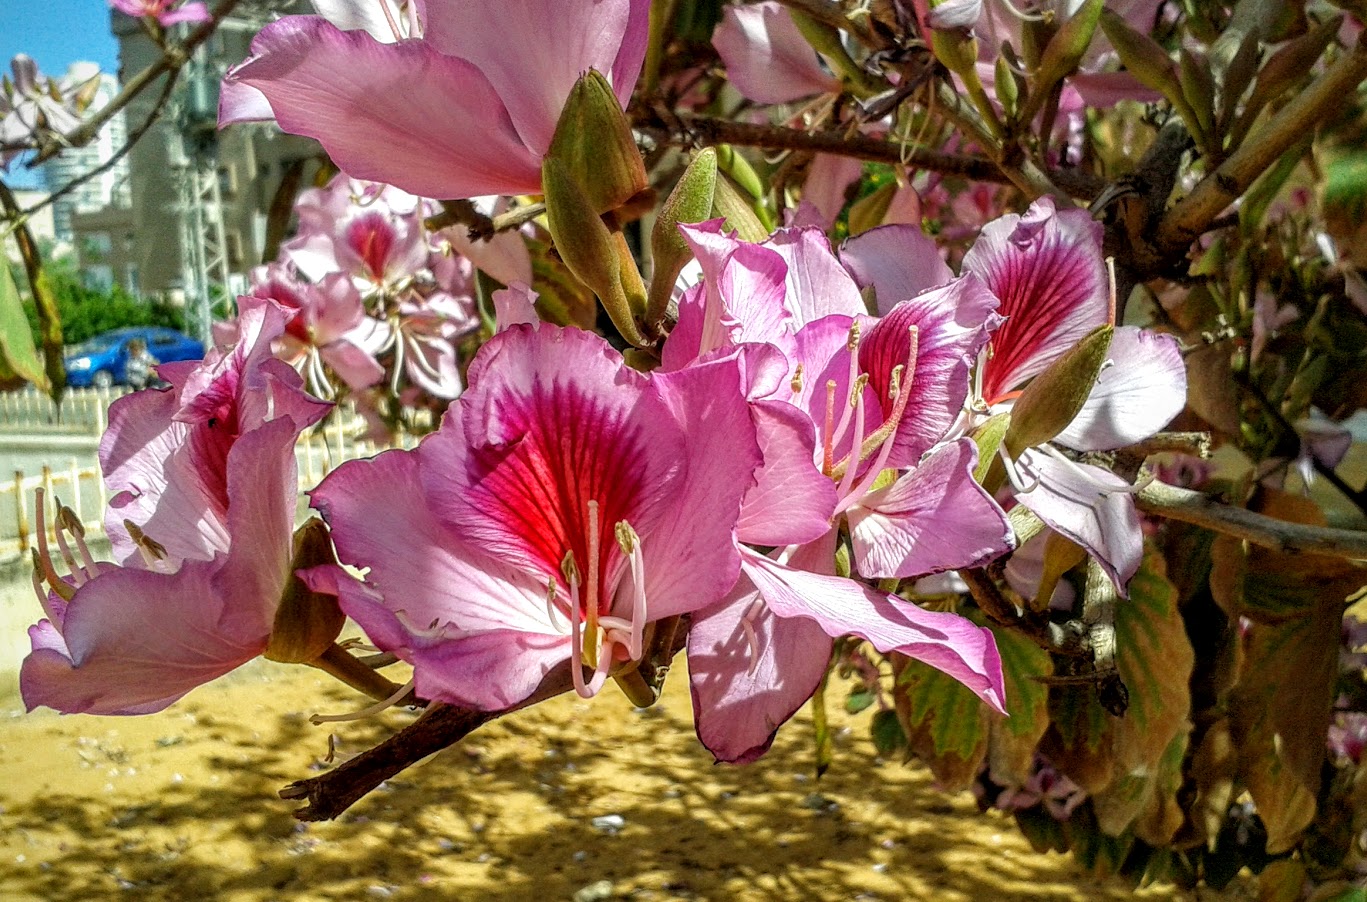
[398, 113]
[742, 693]
[190, 12]
[898, 261]
[953, 323]
[515, 306]
[828, 180]
[504, 257]
[818, 285]
[1047, 269]
[841, 607]
[933, 518]
[135, 642]
[792, 502]
[507, 41]
[1105, 523]
[1139, 394]
[767, 59]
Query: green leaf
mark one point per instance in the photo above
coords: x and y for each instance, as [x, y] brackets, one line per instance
[18, 355]
[859, 700]
[1053, 398]
[887, 732]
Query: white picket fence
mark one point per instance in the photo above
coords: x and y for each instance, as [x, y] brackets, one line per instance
[82, 489]
[82, 411]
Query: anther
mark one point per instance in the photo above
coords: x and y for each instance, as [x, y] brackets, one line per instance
[796, 383]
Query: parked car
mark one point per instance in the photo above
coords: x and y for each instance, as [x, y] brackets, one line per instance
[100, 361]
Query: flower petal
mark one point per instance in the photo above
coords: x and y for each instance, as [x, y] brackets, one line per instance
[1047, 269]
[767, 59]
[898, 261]
[947, 642]
[1139, 394]
[398, 113]
[742, 693]
[1105, 523]
[932, 519]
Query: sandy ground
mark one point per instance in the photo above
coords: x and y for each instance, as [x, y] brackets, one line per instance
[182, 806]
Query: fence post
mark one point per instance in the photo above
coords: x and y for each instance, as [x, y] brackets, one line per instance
[76, 490]
[51, 522]
[21, 512]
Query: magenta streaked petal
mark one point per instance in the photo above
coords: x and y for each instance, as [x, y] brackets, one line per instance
[841, 607]
[767, 59]
[932, 519]
[898, 261]
[397, 113]
[507, 41]
[953, 323]
[1136, 396]
[1047, 269]
[1105, 523]
[743, 692]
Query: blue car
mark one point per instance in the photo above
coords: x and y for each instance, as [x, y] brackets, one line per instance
[100, 361]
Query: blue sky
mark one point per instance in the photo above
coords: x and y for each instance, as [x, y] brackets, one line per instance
[56, 33]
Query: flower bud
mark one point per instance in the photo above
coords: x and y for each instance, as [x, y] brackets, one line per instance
[593, 141]
[731, 205]
[1054, 398]
[689, 202]
[596, 255]
[1067, 47]
[306, 622]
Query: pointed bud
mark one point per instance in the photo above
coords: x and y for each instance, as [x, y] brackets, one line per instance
[988, 437]
[307, 622]
[1053, 399]
[731, 205]
[739, 170]
[1144, 57]
[689, 202]
[596, 255]
[1060, 556]
[1065, 50]
[1008, 89]
[957, 51]
[593, 141]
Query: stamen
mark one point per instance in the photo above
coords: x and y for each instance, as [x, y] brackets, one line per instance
[796, 383]
[848, 479]
[551, 608]
[389, 17]
[828, 448]
[43, 560]
[591, 599]
[70, 521]
[153, 552]
[899, 386]
[44, 597]
[367, 711]
[630, 543]
[856, 388]
[571, 573]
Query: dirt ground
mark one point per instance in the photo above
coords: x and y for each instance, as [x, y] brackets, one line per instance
[182, 806]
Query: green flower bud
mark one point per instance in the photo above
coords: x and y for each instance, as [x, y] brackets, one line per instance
[1054, 398]
[306, 622]
[593, 141]
[730, 204]
[689, 202]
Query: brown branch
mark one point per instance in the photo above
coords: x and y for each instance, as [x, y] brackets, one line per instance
[440, 726]
[1169, 501]
[705, 130]
[1191, 216]
[171, 61]
[1035, 627]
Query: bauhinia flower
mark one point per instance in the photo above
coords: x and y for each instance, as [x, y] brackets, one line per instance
[166, 12]
[875, 396]
[566, 504]
[446, 99]
[204, 486]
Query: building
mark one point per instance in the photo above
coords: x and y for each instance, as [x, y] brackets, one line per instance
[106, 189]
[199, 200]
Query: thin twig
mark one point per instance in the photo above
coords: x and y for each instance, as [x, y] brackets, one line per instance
[172, 60]
[1174, 503]
[694, 129]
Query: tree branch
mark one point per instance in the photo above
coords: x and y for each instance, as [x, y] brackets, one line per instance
[1169, 501]
[695, 129]
[171, 61]
[1191, 216]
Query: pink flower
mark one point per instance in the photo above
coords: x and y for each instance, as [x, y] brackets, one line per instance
[458, 103]
[163, 11]
[204, 487]
[566, 503]
[863, 396]
[767, 59]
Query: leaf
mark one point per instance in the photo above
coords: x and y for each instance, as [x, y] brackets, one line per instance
[1147, 801]
[859, 699]
[1214, 767]
[18, 355]
[1154, 659]
[1012, 741]
[1282, 881]
[887, 732]
[953, 732]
